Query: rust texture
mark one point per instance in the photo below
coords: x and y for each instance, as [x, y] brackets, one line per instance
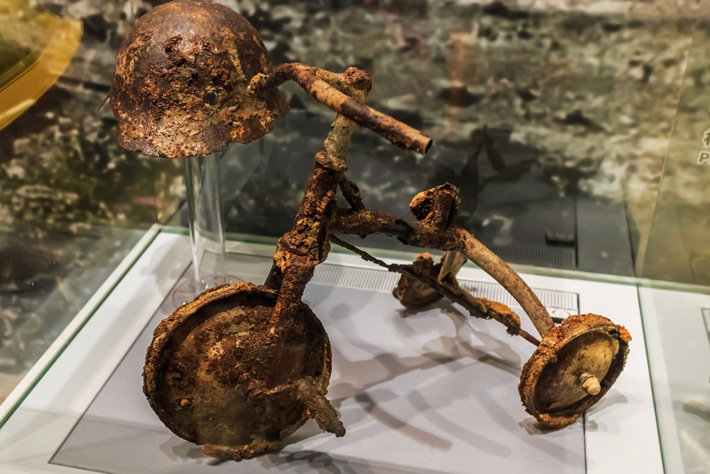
[278, 375]
[323, 86]
[306, 242]
[243, 366]
[434, 209]
[552, 383]
[181, 78]
[422, 284]
[210, 379]
[412, 292]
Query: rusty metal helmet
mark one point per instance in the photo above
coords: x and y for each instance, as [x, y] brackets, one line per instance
[180, 85]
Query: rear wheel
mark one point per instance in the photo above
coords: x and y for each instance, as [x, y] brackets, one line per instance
[572, 368]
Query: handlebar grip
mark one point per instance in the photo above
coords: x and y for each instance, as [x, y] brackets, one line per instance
[312, 80]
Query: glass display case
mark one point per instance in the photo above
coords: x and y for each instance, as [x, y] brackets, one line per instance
[576, 132]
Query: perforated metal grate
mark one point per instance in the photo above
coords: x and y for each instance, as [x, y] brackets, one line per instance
[552, 256]
[255, 268]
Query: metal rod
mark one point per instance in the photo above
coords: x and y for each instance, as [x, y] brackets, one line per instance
[323, 86]
[476, 306]
[364, 222]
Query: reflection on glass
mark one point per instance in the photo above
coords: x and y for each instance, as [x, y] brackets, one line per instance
[679, 242]
[578, 101]
[35, 49]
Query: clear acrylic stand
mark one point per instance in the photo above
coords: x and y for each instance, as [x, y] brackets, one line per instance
[205, 225]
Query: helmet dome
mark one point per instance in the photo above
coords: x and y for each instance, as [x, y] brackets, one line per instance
[181, 78]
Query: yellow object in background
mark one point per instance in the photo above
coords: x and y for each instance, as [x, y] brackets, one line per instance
[35, 49]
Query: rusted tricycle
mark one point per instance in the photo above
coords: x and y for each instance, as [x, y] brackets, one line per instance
[242, 366]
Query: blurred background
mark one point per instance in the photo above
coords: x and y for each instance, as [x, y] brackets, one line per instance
[574, 130]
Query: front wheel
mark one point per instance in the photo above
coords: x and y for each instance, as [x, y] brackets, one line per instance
[215, 377]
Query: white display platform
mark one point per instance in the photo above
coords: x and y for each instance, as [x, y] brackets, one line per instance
[435, 391]
[677, 325]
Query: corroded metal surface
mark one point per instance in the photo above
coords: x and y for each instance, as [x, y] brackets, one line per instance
[212, 380]
[320, 85]
[552, 385]
[435, 209]
[271, 396]
[241, 367]
[180, 85]
[412, 292]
